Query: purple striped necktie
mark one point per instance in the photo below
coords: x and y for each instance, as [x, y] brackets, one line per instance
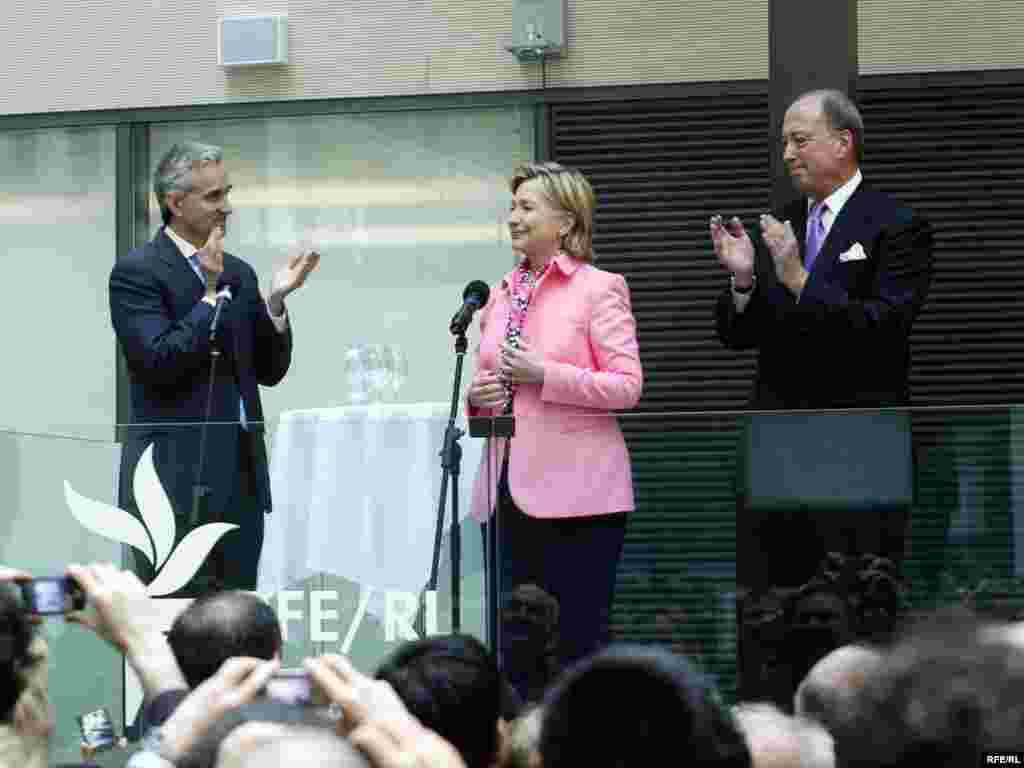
[815, 234]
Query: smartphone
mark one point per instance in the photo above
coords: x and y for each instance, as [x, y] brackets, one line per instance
[52, 596]
[292, 686]
[97, 729]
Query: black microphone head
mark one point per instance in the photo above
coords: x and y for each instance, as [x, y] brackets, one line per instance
[477, 292]
[232, 282]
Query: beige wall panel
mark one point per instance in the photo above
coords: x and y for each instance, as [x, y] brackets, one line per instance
[664, 41]
[72, 55]
[940, 35]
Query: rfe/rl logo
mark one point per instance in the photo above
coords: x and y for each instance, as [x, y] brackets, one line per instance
[153, 537]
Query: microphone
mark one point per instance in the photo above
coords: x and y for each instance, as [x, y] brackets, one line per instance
[474, 297]
[228, 286]
[200, 490]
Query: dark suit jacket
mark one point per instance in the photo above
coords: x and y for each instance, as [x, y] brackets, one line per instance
[163, 326]
[845, 343]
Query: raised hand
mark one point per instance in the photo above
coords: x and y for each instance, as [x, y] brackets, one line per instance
[291, 276]
[733, 248]
[237, 682]
[376, 721]
[124, 614]
[785, 250]
[211, 257]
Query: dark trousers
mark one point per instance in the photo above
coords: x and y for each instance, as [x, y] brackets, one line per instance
[234, 561]
[574, 560]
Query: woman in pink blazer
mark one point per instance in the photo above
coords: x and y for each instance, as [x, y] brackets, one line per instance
[558, 351]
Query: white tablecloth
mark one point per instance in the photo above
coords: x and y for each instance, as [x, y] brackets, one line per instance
[355, 494]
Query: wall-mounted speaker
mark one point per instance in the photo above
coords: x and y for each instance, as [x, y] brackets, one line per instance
[246, 40]
[538, 28]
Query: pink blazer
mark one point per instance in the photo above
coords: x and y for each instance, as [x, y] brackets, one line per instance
[568, 457]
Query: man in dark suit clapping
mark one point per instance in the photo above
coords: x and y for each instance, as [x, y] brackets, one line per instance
[163, 297]
[828, 292]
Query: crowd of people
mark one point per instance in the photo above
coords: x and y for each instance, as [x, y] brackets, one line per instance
[943, 688]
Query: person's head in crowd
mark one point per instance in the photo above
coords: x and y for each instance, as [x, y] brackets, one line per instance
[529, 626]
[239, 735]
[822, 142]
[778, 740]
[828, 691]
[820, 621]
[25, 719]
[945, 693]
[522, 747]
[879, 607]
[631, 705]
[451, 683]
[269, 745]
[218, 626]
[553, 209]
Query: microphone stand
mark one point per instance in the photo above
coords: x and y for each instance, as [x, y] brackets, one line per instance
[200, 490]
[451, 459]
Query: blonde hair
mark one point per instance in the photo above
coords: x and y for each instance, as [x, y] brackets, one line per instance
[568, 190]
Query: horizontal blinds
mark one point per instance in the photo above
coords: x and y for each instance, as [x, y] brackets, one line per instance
[956, 154]
[661, 168]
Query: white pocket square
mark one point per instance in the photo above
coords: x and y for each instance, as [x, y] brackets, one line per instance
[856, 253]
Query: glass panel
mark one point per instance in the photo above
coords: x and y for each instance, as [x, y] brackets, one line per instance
[760, 541]
[356, 492]
[922, 507]
[39, 534]
[57, 217]
[406, 209]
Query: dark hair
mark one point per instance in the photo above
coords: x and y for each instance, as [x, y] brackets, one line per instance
[632, 705]
[16, 633]
[218, 626]
[452, 685]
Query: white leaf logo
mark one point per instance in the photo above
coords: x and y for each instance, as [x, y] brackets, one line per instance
[109, 522]
[155, 538]
[155, 506]
[187, 557]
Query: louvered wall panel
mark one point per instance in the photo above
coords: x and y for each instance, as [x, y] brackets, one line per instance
[956, 154]
[660, 169]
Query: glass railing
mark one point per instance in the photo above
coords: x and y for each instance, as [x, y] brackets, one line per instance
[757, 539]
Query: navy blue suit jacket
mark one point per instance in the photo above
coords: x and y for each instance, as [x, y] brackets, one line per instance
[163, 326]
[845, 343]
